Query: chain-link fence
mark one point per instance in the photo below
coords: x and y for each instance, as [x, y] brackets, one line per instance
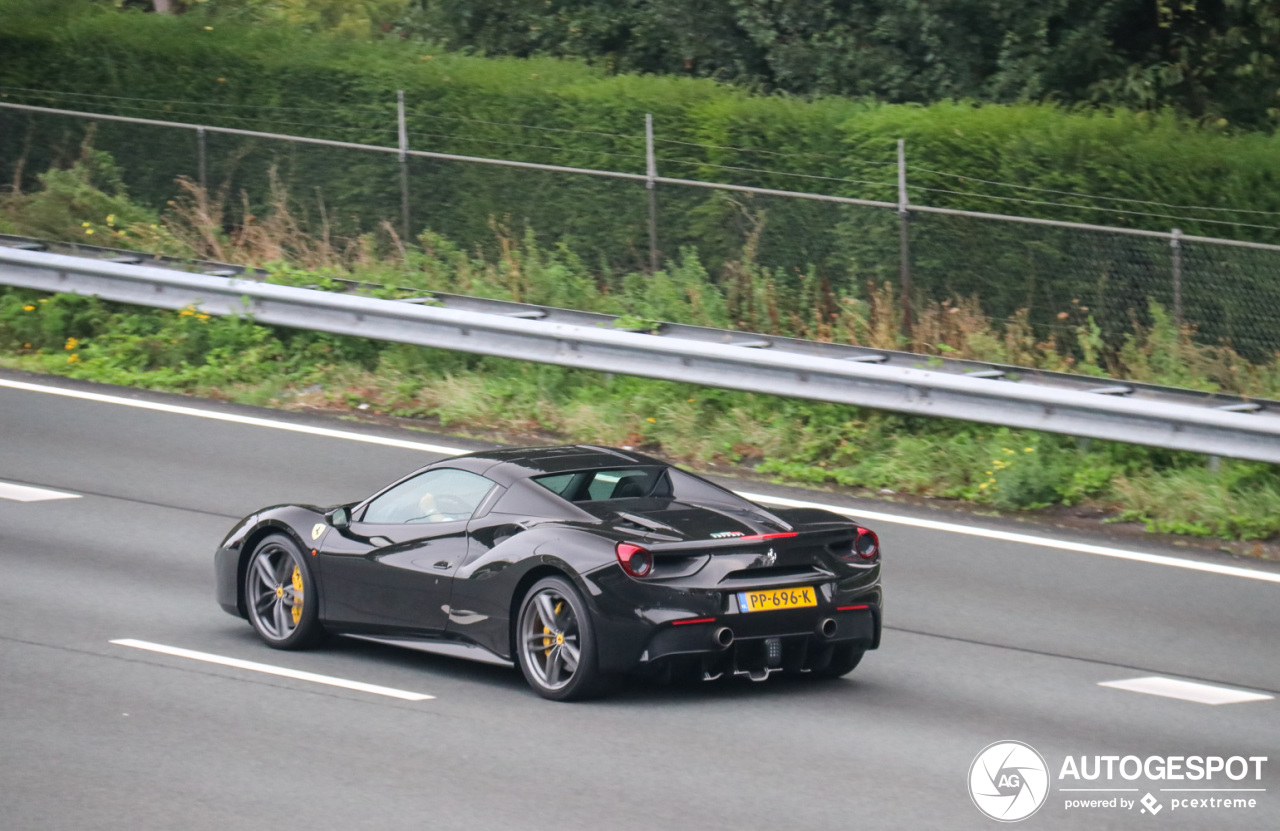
[790, 262]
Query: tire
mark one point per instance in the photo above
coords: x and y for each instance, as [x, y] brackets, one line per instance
[556, 642]
[280, 596]
[844, 658]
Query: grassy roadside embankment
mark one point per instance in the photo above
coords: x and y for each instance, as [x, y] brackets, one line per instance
[794, 441]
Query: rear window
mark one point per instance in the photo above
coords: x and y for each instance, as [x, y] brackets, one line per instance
[616, 483]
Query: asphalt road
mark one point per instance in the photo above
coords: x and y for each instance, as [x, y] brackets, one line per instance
[987, 639]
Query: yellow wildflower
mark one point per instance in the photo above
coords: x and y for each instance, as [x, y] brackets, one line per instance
[73, 358]
[652, 420]
[111, 219]
[72, 343]
[88, 230]
[85, 224]
[1028, 450]
[28, 308]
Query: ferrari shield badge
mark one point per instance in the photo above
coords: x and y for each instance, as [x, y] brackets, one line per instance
[317, 530]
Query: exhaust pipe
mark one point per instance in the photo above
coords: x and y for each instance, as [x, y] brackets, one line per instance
[827, 628]
[723, 636]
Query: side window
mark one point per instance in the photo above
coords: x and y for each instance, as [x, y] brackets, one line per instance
[439, 495]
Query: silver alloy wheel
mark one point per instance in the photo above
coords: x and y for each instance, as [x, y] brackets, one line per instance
[275, 591]
[549, 638]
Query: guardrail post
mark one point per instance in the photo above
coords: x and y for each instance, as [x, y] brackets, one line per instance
[1176, 245]
[651, 171]
[904, 244]
[200, 160]
[404, 165]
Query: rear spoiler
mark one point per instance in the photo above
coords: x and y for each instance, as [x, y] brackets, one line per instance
[715, 544]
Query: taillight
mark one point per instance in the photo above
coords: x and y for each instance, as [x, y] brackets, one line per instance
[636, 561]
[866, 545]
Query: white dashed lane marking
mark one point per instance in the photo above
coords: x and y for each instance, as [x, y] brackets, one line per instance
[1186, 690]
[26, 493]
[283, 672]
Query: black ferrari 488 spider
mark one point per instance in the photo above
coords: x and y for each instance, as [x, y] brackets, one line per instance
[578, 563]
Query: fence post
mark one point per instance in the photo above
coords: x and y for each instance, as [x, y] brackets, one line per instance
[404, 165]
[200, 159]
[904, 244]
[1176, 244]
[651, 171]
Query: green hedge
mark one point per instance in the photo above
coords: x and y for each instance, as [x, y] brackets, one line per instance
[207, 70]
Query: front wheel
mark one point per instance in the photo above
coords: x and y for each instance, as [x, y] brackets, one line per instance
[556, 642]
[279, 593]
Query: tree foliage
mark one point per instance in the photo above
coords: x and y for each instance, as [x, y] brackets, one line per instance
[1211, 59]
[359, 18]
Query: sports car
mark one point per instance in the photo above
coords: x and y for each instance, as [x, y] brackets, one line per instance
[578, 564]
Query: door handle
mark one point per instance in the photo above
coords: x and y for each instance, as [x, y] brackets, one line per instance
[441, 564]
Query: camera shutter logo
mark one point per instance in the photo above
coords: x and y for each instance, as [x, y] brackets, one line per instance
[1008, 781]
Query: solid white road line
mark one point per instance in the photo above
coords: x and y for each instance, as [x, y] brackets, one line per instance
[872, 516]
[26, 493]
[222, 660]
[1185, 690]
[234, 419]
[1027, 539]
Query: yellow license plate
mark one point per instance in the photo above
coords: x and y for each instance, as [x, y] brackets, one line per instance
[772, 599]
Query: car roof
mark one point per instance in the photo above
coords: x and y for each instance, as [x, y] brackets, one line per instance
[509, 464]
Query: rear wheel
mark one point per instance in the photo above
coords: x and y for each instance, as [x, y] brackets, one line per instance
[280, 595]
[844, 657]
[556, 643]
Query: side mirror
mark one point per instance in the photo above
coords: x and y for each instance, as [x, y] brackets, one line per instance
[339, 517]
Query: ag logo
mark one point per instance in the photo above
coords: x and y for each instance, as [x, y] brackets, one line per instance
[1008, 781]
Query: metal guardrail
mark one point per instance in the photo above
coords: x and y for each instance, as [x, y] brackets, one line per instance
[902, 382]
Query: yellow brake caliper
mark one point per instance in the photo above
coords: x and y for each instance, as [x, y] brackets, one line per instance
[550, 640]
[297, 596]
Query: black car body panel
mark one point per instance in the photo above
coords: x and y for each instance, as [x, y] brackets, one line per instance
[452, 580]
